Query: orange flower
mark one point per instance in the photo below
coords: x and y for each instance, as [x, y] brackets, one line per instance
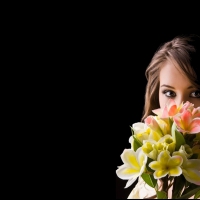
[169, 110]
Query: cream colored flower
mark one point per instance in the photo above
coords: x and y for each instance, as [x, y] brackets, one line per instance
[190, 168]
[134, 165]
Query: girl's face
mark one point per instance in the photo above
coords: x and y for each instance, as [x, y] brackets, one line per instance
[175, 85]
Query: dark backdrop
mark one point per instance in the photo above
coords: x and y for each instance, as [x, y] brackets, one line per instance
[134, 54]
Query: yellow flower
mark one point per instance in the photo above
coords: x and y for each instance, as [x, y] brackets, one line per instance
[167, 142]
[166, 164]
[149, 149]
[134, 165]
[152, 148]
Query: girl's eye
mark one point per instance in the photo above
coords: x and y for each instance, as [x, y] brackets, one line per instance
[195, 94]
[169, 93]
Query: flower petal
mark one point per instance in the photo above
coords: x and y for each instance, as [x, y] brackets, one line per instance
[186, 118]
[165, 113]
[157, 111]
[130, 182]
[160, 173]
[155, 165]
[129, 157]
[195, 126]
[163, 157]
[175, 161]
[192, 176]
[124, 172]
[141, 157]
[176, 171]
[193, 163]
[172, 110]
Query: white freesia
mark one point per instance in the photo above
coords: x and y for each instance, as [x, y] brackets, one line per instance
[133, 167]
[141, 131]
[139, 127]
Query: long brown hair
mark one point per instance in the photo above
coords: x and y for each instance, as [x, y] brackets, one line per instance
[185, 51]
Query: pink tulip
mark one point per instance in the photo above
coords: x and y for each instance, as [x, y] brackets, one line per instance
[189, 106]
[196, 112]
[187, 123]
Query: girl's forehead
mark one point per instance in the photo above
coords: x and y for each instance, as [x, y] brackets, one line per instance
[173, 76]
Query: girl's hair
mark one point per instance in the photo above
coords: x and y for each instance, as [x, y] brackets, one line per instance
[183, 50]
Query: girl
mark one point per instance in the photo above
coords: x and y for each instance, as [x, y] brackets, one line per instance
[172, 73]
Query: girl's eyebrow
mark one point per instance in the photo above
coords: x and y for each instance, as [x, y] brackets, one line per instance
[169, 86]
[164, 85]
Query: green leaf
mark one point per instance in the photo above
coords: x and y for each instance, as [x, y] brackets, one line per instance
[190, 193]
[147, 165]
[197, 195]
[161, 195]
[136, 143]
[149, 179]
[179, 183]
[179, 138]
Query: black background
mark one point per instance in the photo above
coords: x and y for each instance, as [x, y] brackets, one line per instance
[134, 54]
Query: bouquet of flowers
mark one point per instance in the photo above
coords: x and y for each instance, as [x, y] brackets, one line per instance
[165, 149]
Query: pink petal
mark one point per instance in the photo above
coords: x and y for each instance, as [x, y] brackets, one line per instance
[165, 113]
[157, 111]
[171, 103]
[186, 118]
[186, 105]
[196, 112]
[178, 122]
[195, 126]
[148, 120]
[172, 110]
